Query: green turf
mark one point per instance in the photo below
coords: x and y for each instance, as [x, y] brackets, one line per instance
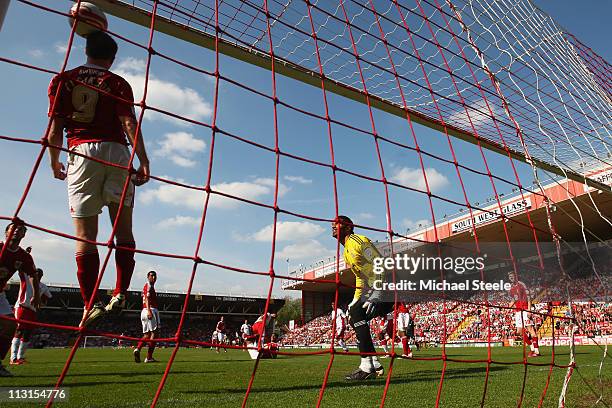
[202, 378]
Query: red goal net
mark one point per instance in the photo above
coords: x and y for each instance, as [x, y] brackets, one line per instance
[485, 115]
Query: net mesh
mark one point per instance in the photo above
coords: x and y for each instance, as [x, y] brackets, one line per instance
[501, 75]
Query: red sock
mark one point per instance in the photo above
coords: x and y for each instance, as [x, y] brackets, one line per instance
[139, 345]
[405, 347]
[535, 343]
[151, 349]
[124, 261]
[526, 339]
[88, 266]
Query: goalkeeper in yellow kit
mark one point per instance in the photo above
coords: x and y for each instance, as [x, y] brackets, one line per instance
[359, 254]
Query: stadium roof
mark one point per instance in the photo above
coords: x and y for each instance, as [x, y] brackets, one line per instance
[574, 212]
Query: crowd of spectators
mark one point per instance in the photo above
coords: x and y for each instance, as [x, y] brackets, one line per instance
[434, 319]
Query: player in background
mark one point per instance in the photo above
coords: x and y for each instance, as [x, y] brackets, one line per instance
[221, 335]
[420, 338]
[385, 325]
[403, 322]
[13, 258]
[522, 317]
[339, 317]
[411, 332]
[94, 106]
[263, 329]
[245, 331]
[25, 311]
[359, 253]
[149, 316]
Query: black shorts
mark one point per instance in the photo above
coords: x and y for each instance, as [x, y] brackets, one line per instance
[357, 312]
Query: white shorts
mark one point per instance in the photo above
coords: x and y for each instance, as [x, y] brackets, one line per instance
[149, 325]
[221, 337]
[403, 319]
[522, 319]
[5, 306]
[93, 185]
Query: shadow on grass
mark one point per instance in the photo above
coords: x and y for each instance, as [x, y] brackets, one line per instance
[122, 375]
[417, 376]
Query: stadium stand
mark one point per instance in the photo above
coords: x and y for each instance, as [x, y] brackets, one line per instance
[467, 321]
[66, 308]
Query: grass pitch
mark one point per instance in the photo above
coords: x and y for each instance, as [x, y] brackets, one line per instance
[202, 378]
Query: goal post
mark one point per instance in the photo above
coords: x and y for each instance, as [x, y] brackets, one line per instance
[98, 341]
[444, 124]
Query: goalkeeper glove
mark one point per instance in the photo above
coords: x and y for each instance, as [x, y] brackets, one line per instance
[373, 297]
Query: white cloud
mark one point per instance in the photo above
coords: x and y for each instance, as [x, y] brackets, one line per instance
[36, 53]
[288, 231]
[298, 179]
[414, 225]
[479, 114]
[310, 249]
[178, 221]
[365, 216]
[194, 199]
[60, 48]
[49, 248]
[131, 64]
[180, 147]
[171, 97]
[183, 161]
[270, 182]
[413, 178]
[173, 195]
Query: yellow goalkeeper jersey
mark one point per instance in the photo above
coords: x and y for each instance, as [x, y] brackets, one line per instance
[359, 254]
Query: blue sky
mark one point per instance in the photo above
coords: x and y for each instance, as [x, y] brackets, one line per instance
[236, 234]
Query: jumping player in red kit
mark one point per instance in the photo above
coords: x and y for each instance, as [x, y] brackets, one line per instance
[94, 107]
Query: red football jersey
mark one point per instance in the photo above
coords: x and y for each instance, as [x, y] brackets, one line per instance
[221, 327]
[13, 261]
[91, 115]
[148, 292]
[519, 293]
[401, 308]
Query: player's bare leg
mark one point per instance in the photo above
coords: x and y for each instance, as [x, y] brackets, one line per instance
[124, 258]
[88, 266]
